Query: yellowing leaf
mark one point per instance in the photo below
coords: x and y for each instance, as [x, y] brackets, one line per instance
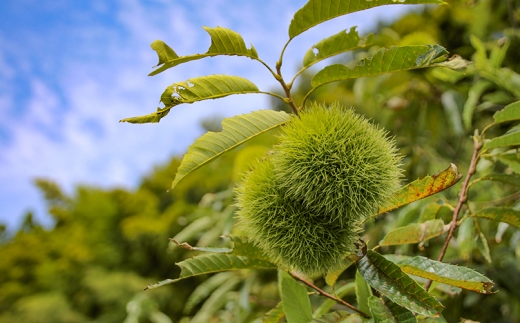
[502, 214]
[414, 233]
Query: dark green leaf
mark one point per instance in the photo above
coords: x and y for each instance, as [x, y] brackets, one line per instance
[275, 314]
[424, 187]
[509, 113]
[511, 160]
[387, 278]
[511, 179]
[458, 276]
[336, 44]
[235, 131]
[334, 317]
[363, 292]
[385, 311]
[223, 42]
[385, 60]
[414, 233]
[296, 303]
[502, 214]
[315, 12]
[332, 276]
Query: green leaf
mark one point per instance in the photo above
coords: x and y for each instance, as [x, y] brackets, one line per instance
[334, 317]
[275, 314]
[296, 303]
[216, 301]
[414, 233]
[452, 102]
[244, 247]
[197, 89]
[332, 276]
[204, 289]
[462, 277]
[423, 187]
[429, 212]
[422, 319]
[387, 278]
[186, 245]
[235, 131]
[474, 94]
[466, 239]
[510, 113]
[315, 12]
[385, 60]
[363, 292]
[511, 160]
[509, 139]
[329, 303]
[511, 179]
[483, 247]
[385, 311]
[223, 42]
[336, 44]
[501, 214]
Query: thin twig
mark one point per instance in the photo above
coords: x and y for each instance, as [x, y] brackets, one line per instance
[462, 199]
[324, 293]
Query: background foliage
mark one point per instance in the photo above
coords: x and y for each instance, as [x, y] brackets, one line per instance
[107, 245]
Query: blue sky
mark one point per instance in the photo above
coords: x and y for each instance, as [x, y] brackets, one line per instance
[70, 70]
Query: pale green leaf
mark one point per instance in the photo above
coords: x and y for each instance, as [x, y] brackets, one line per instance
[452, 102]
[455, 63]
[213, 263]
[501, 214]
[511, 179]
[414, 233]
[387, 278]
[386, 311]
[423, 187]
[385, 60]
[334, 317]
[235, 131]
[315, 12]
[429, 211]
[509, 139]
[186, 245]
[197, 89]
[510, 113]
[296, 303]
[215, 302]
[204, 289]
[327, 304]
[275, 314]
[511, 160]
[192, 230]
[466, 239]
[474, 94]
[336, 44]
[363, 292]
[458, 276]
[483, 247]
[242, 246]
[223, 42]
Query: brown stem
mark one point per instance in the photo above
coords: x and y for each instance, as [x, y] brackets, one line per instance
[462, 198]
[324, 293]
[286, 88]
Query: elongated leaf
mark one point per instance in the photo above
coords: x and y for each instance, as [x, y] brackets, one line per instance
[452, 102]
[502, 214]
[336, 44]
[429, 212]
[204, 289]
[223, 42]
[326, 305]
[466, 238]
[213, 263]
[483, 247]
[296, 303]
[414, 233]
[458, 276]
[386, 277]
[275, 314]
[509, 113]
[235, 131]
[333, 275]
[197, 89]
[424, 187]
[510, 139]
[386, 311]
[315, 12]
[334, 317]
[244, 247]
[511, 160]
[474, 94]
[363, 292]
[385, 60]
[215, 302]
[511, 179]
[186, 245]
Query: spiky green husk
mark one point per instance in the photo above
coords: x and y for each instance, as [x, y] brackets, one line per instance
[286, 230]
[335, 161]
[303, 204]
